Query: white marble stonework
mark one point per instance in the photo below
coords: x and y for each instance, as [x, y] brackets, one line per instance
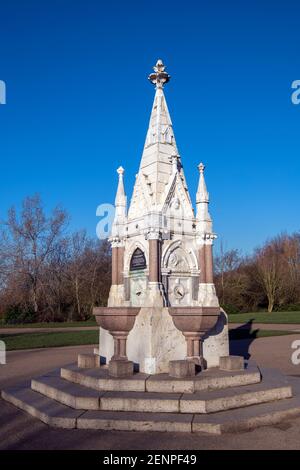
[154, 341]
[161, 216]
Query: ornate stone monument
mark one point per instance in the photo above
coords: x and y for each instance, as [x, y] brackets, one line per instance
[162, 266]
[163, 319]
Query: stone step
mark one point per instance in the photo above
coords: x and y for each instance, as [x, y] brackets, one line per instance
[212, 379]
[273, 387]
[67, 393]
[146, 402]
[212, 402]
[56, 414]
[200, 402]
[98, 379]
[136, 421]
[218, 423]
[49, 411]
[251, 417]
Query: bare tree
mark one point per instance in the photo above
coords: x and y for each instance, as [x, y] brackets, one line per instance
[31, 239]
[269, 264]
[230, 279]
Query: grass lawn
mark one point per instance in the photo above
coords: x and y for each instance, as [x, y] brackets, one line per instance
[265, 317]
[49, 340]
[76, 338]
[66, 324]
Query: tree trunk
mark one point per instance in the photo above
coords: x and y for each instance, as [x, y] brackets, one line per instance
[77, 295]
[271, 304]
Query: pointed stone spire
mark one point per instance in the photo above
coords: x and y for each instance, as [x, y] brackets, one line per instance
[157, 164]
[120, 206]
[160, 130]
[202, 195]
[202, 201]
[120, 200]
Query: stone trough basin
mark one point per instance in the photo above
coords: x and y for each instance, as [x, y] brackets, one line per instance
[118, 321]
[194, 323]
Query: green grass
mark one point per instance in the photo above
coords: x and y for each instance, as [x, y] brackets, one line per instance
[264, 317]
[244, 334]
[76, 338]
[49, 340]
[66, 324]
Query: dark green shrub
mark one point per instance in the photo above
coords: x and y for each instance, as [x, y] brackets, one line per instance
[19, 314]
[288, 308]
[230, 309]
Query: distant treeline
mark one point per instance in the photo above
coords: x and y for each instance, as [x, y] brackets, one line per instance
[46, 273]
[267, 280]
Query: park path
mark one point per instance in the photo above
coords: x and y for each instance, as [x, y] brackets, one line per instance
[21, 365]
[260, 326]
[14, 331]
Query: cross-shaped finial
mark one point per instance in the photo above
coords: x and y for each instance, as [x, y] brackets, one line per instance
[201, 168]
[160, 77]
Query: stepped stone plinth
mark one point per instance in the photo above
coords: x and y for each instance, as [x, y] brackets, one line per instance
[213, 401]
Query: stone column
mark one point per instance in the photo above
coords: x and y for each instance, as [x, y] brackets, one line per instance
[120, 264]
[202, 264]
[155, 297]
[154, 267]
[114, 265]
[116, 293]
[207, 292]
[209, 270]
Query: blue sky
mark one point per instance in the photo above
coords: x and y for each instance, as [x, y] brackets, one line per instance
[78, 104]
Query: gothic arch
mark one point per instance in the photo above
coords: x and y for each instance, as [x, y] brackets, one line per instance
[130, 251]
[190, 256]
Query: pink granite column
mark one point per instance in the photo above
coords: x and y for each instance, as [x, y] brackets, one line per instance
[202, 264]
[209, 264]
[153, 260]
[120, 264]
[114, 266]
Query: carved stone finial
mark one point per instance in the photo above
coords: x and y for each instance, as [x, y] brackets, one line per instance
[120, 170]
[160, 77]
[201, 168]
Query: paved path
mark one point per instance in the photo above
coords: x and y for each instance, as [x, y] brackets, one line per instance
[31, 362]
[14, 331]
[20, 431]
[272, 352]
[261, 326]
